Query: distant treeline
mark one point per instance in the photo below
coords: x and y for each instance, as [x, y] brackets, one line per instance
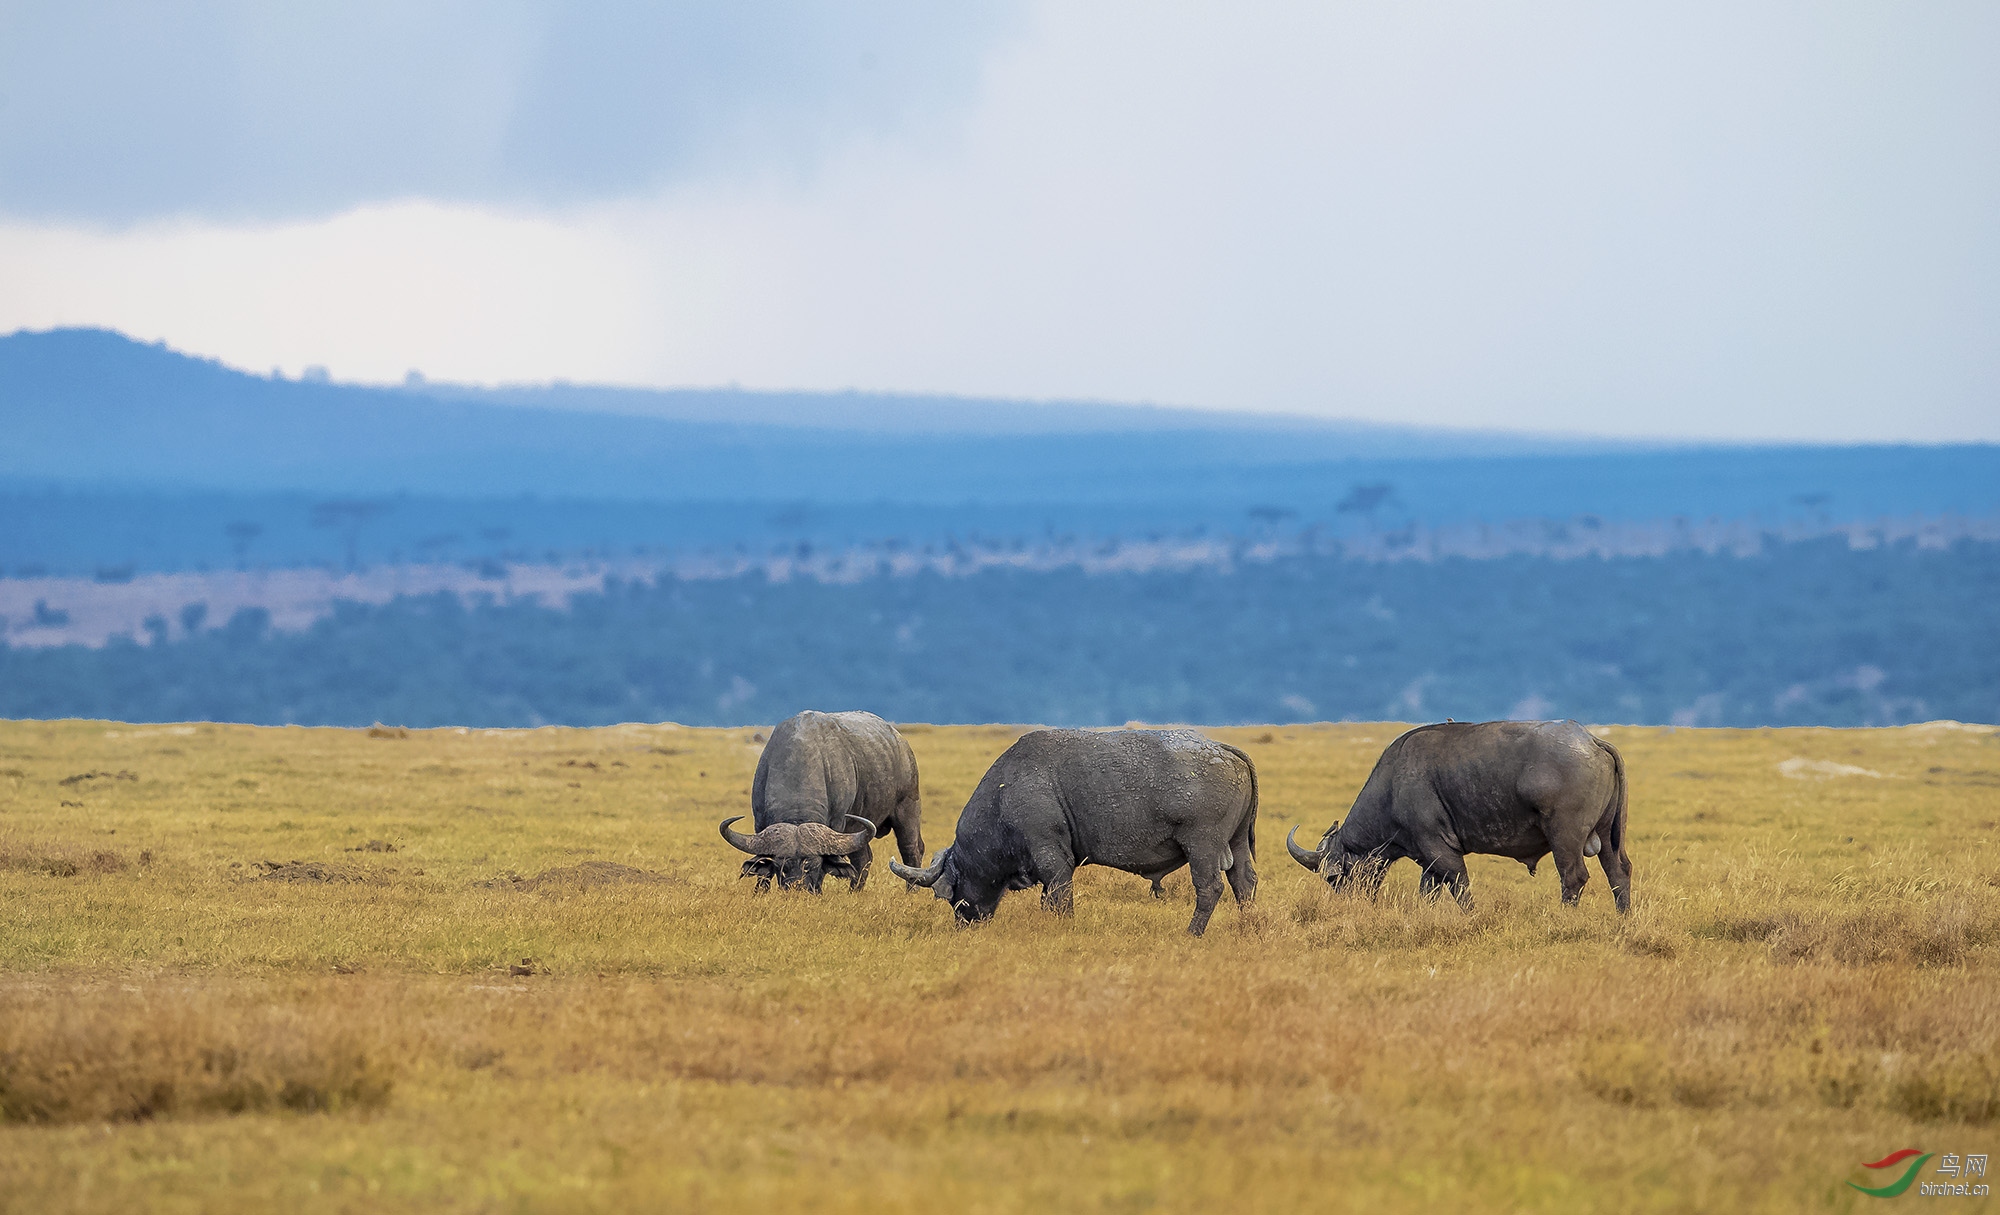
[1808, 633]
[114, 532]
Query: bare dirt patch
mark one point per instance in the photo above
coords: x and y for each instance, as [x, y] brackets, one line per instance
[315, 872]
[81, 777]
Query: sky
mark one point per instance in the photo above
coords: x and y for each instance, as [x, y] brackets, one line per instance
[1744, 220]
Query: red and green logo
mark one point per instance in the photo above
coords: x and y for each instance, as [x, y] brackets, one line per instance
[1889, 1162]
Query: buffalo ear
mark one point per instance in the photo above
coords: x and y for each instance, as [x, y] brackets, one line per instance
[942, 888]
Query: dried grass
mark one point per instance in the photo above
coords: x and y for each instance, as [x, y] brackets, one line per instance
[124, 1056]
[1808, 973]
[59, 859]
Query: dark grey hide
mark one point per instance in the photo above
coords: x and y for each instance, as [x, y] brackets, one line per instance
[1144, 801]
[822, 769]
[1522, 789]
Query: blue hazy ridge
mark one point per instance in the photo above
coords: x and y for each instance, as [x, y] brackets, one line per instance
[121, 454]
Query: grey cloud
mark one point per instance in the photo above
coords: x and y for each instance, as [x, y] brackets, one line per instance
[122, 110]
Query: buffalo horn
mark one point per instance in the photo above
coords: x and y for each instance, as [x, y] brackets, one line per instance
[1303, 856]
[818, 839]
[786, 841]
[922, 877]
[755, 845]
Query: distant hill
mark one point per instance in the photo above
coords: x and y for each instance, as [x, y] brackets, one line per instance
[911, 414]
[120, 454]
[87, 405]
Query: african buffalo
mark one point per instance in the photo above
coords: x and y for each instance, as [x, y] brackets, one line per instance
[1521, 789]
[1145, 801]
[819, 770]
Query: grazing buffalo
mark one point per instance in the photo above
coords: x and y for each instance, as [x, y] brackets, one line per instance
[1145, 801]
[818, 771]
[1503, 788]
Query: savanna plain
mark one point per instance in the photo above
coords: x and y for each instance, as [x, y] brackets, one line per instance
[316, 969]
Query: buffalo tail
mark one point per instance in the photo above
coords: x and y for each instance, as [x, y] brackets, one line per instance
[1252, 768]
[1614, 813]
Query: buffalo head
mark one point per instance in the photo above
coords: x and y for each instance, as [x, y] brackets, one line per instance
[798, 853]
[1332, 861]
[973, 899]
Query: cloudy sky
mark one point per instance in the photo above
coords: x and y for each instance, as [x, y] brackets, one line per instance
[1738, 220]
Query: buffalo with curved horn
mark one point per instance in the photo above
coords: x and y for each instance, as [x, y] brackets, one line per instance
[819, 770]
[1520, 789]
[1144, 801]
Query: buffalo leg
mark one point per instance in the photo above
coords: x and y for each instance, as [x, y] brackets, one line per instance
[909, 829]
[1158, 879]
[1447, 869]
[908, 826]
[1242, 869]
[1057, 874]
[861, 860]
[1618, 871]
[1205, 868]
[1570, 867]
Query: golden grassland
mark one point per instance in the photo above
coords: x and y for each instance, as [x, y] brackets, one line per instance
[214, 995]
